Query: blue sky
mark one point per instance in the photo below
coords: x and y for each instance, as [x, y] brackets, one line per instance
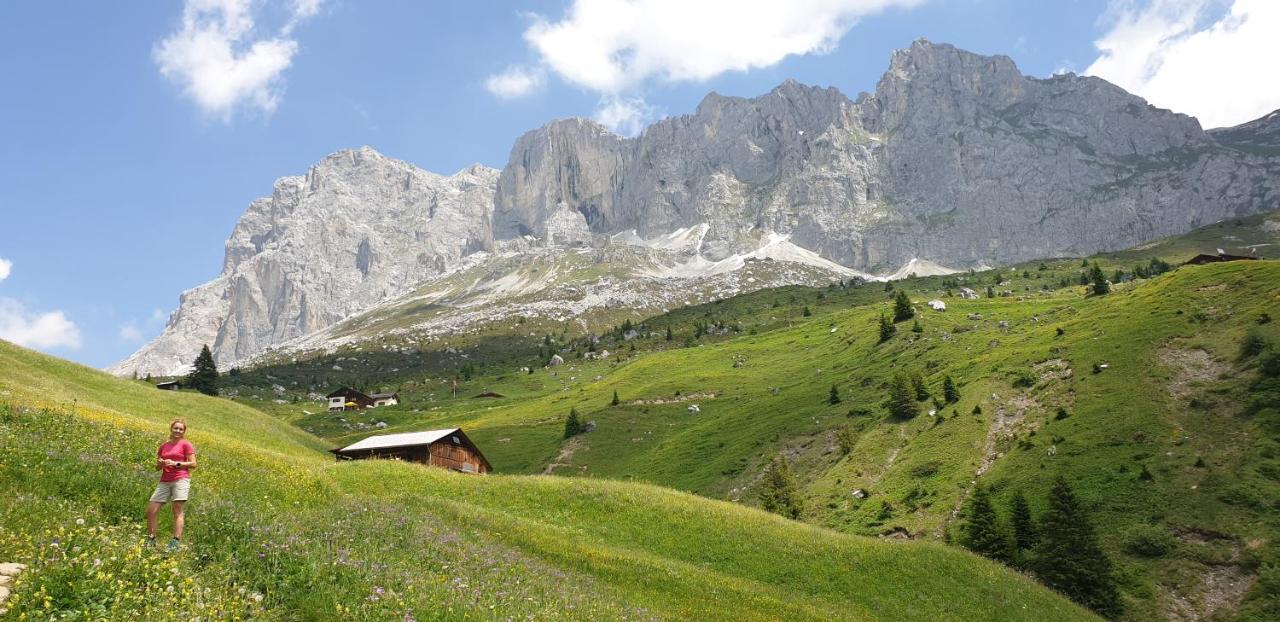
[130, 142]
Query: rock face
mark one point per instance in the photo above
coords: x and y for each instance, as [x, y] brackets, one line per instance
[358, 227]
[957, 160]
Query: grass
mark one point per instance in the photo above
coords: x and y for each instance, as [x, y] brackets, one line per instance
[277, 530]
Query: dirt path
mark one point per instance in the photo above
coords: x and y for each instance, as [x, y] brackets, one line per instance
[562, 459]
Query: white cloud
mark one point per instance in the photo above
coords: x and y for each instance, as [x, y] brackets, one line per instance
[50, 329]
[1167, 52]
[625, 115]
[6, 267]
[515, 82]
[129, 332]
[221, 62]
[615, 47]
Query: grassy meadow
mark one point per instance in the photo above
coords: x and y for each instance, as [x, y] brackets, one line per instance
[277, 530]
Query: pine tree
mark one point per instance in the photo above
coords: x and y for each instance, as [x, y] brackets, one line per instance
[1024, 529]
[668, 333]
[204, 374]
[614, 401]
[834, 396]
[1068, 557]
[902, 307]
[572, 424]
[983, 533]
[887, 329]
[991, 293]
[779, 494]
[916, 327]
[806, 311]
[949, 391]
[918, 386]
[902, 399]
[1099, 280]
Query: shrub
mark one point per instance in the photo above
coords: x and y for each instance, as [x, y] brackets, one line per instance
[1252, 345]
[1270, 363]
[1149, 541]
[1023, 378]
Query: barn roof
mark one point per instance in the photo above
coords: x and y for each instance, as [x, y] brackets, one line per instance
[383, 396]
[404, 439]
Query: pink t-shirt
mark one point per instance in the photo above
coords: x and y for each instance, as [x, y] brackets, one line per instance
[181, 450]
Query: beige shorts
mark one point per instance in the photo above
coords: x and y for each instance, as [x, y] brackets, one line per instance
[172, 491]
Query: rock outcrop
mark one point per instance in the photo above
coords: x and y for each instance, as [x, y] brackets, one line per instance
[357, 228]
[956, 160]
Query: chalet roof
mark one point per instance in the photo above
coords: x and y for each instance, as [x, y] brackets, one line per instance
[404, 439]
[383, 396]
[346, 392]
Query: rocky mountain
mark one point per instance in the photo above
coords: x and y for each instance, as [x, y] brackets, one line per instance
[357, 228]
[956, 160]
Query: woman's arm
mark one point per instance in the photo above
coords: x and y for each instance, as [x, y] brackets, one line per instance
[190, 462]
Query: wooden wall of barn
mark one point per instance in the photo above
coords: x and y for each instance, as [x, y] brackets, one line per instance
[460, 457]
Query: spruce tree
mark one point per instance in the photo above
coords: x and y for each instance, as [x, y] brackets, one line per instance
[916, 327]
[204, 374]
[902, 399]
[949, 391]
[806, 311]
[902, 307]
[834, 396]
[572, 424]
[887, 329]
[1069, 558]
[983, 533]
[779, 494]
[615, 401]
[668, 333]
[919, 387]
[1024, 529]
[1099, 280]
[991, 293]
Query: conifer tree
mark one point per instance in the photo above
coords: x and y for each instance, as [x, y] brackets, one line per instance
[204, 374]
[806, 311]
[614, 401]
[847, 439]
[1068, 557]
[668, 333]
[918, 386]
[902, 399]
[834, 396]
[1099, 280]
[916, 327]
[572, 424]
[950, 392]
[983, 533]
[1024, 529]
[887, 329]
[779, 494]
[991, 293]
[902, 307]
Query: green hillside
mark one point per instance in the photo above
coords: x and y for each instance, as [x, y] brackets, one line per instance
[1140, 397]
[277, 530]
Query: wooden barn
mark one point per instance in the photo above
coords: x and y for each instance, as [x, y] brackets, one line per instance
[1202, 259]
[450, 449]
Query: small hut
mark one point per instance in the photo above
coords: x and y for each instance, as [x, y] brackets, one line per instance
[171, 385]
[1202, 259]
[384, 399]
[450, 449]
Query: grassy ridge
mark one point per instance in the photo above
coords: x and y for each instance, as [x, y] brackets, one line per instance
[279, 531]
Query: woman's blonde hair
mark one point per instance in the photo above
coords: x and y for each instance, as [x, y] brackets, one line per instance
[182, 421]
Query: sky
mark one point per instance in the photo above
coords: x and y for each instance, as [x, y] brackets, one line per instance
[133, 135]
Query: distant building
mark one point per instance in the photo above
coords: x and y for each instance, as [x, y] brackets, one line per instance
[171, 385]
[385, 399]
[347, 398]
[449, 449]
[1220, 257]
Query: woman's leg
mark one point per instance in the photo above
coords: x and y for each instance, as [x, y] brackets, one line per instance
[153, 507]
[178, 518]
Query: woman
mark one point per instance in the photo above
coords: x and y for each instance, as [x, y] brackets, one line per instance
[174, 459]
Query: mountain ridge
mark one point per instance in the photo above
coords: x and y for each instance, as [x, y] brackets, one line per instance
[956, 159]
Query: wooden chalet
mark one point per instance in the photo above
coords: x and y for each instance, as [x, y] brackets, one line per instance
[450, 449]
[339, 400]
[1204, 259]
[171, 385]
